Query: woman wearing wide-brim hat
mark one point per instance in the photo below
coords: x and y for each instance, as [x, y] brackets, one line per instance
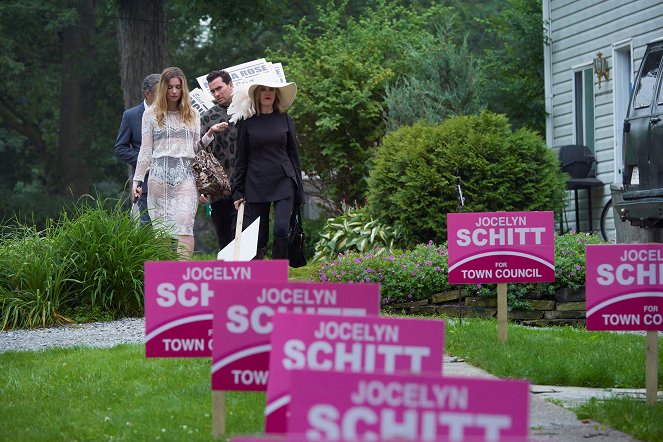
[267, 169]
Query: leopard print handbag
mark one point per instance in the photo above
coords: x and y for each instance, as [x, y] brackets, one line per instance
[211, 178]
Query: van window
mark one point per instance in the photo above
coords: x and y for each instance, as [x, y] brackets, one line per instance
[644, 90]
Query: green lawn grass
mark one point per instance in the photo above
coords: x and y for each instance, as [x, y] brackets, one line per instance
[117, 394]
[552, 356]
[634, 417]
[85, 394]
[303, 273]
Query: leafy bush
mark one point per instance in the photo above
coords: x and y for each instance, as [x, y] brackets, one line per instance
[91, 261]
[413, 180]
[417, 274]
[355, 230]
[569, 271]
[34, 279]
[312, 229]
[570, 260]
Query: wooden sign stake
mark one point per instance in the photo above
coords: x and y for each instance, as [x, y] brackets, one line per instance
[651, 367]
[238, 231]
[218, 414]
[219, 397]
[501, 312]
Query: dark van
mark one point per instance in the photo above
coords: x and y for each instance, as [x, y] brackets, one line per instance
[642, 203]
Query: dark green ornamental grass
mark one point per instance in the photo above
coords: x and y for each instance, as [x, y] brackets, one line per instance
[87, 265]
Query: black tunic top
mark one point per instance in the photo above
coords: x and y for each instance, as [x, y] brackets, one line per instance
[267, 162]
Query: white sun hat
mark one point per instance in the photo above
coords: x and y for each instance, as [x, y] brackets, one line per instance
[242, 105]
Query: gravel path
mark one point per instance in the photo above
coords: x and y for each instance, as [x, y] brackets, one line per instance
[93, 334]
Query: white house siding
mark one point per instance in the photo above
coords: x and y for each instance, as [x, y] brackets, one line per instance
[578, 29]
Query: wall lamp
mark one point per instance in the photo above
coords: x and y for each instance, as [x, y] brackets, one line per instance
[601, 67]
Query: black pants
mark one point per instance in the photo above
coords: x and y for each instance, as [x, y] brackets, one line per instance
[282, 213]
[224, 217]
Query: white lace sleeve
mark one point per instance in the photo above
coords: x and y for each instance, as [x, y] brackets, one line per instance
[196, 133]
[147, 146]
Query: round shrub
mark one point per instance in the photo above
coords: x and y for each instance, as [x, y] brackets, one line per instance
[413, 181]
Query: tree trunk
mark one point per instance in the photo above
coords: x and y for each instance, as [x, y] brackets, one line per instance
[142, 34]
[76, 102]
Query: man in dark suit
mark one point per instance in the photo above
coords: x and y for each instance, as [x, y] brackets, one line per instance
[129, 137]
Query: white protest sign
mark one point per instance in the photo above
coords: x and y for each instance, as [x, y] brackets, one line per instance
[241, 73]
[277, 69]
[200, 101]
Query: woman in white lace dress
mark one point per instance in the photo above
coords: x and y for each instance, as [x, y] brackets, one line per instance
[171, 131]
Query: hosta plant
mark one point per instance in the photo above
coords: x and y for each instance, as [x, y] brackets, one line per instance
[355, 230]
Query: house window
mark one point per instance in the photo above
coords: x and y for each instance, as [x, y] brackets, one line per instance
[583, 82]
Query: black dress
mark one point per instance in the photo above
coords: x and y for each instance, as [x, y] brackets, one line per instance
[267, 162]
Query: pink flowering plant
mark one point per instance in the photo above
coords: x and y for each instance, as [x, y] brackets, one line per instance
[569, 271]
[570, 260]
[404, 277]
[419, 273]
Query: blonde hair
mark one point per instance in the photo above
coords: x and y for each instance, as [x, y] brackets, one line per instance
[277, 99]
[161, 102]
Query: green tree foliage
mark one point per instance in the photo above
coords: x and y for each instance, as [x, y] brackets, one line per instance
[413, 181]
[32, 60]
[470, 16]
[513, 83]
[341, 66]
[442, 81]
[208, 35]
[31, 69]
[203, 36]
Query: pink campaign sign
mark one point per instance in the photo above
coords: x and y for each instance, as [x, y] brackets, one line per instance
[243, 323]
[500, 247]
[352, 406]
[178, 298]
[624, 287]
[333, 343]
